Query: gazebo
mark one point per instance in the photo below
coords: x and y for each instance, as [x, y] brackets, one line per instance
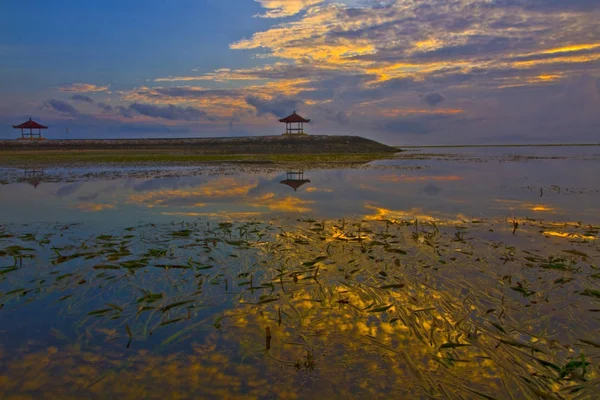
[291, 129]
[34, 176]
[295, 179]
[31, 125]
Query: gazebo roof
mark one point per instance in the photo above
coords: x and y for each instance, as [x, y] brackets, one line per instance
[294, 118]
[295, 183]
[30, 125]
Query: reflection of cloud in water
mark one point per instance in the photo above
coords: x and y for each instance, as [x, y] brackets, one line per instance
[221, 189]
[431, 189]
[94, 207]
[411, 178]
[94, 195]
[222, 215]
[523, 205]
[402, 215]
[169, 183]
[347, 318]
[314, 189]
[251, 192]
[285, 204]
[68, 189]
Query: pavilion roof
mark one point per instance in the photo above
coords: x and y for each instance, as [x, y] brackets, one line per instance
[30, 125]
[295, 183]
[294, 118]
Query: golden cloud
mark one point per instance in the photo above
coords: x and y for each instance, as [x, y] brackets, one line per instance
[93, 207]
[83, 88]
[285, 8]
[226, 187]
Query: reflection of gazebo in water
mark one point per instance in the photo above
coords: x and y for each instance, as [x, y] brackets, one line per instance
[294, 119]
[295, 179]
[33, 176]
[31, 125]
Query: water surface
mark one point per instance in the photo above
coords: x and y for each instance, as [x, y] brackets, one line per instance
[448, 273]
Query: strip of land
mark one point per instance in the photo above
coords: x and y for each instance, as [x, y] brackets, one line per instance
[255, 149]
[445, 146]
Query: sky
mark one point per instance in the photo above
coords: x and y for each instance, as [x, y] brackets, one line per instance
[401, 72]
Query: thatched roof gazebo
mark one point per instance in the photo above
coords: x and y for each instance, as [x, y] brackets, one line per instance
[31, 125]
[295, 179]
[294, 118]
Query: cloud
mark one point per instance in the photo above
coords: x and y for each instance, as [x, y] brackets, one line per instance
[83, 98]
[146, 129]
[83, 88]
[104, 106]
[383, 67]
[67, 190]
[124, 112]
[278, 106]
[61, 106]
[549, 6]
[285, 8]
[432, 189]
[169, 112]
[433, 99]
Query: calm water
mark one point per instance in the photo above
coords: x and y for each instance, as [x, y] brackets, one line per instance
[446, 273]
[551, 183]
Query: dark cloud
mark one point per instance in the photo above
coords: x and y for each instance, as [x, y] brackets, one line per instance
[433, 99]
[151, 129]
[170, 183]
[83, 98]
[61, 106]
[187, 92]
[104, 106]
[88, 197]
[423, 124]
[169, 112]
[279, 106]
[432, 189]
[124, 111]
[67, 190]
[481, 47]
[550, 5]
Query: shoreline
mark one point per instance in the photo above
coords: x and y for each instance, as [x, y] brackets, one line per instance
[281, 144]
[307, 149]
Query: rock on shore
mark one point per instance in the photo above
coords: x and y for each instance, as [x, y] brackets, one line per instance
[307, 144]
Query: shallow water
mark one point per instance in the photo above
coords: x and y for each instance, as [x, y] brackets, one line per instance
[444, 273]
[550, 183]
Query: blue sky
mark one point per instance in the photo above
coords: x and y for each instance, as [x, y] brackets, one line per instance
[399, 71]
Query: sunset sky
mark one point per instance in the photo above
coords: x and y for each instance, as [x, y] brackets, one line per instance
[398, 71]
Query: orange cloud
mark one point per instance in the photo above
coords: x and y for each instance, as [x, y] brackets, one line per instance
[227, 187]
[290, 204]
[93, 207]
[83, 88]
[381, 213]
[285, 8]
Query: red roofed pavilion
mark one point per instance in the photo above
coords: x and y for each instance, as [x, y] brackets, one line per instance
[294, 119]
[31, 125]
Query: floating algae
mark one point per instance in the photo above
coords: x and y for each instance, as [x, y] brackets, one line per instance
[353, 309]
